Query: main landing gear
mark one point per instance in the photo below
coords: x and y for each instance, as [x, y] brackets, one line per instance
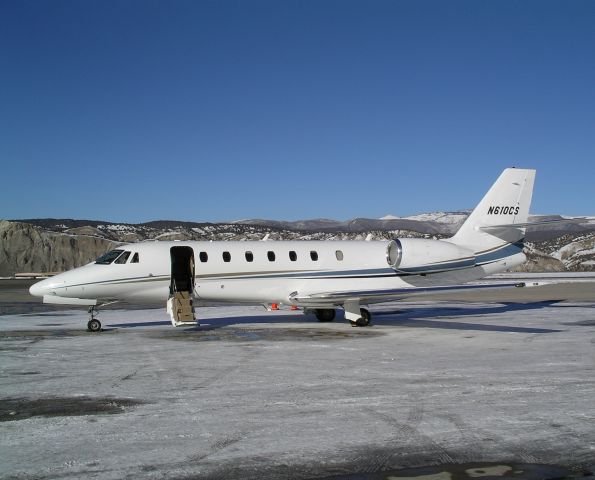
[93, 325]
[357, 316]
[364, 320]
[325, 314]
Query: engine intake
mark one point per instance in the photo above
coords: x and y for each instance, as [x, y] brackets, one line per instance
[417, 256]
[394, 253]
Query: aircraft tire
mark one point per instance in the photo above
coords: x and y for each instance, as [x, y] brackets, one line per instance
[325, 314]
[364, 320]
[366, 317]
[94, 325]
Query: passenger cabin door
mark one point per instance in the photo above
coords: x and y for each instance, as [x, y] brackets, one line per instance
[181, 286]
[182, 270]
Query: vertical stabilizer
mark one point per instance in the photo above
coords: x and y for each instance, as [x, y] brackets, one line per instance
[500, 218]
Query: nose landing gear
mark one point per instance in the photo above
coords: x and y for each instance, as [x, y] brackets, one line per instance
[93, 325]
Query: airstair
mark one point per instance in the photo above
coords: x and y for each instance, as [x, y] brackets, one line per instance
[181, 309]
[180, 305]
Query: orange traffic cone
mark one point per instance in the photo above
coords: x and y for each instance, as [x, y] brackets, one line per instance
[274, 306]
[294, 307]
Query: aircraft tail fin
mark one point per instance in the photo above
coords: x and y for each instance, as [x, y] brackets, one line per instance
[500, 219]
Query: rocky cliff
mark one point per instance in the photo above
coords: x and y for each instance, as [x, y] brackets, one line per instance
[28, 248]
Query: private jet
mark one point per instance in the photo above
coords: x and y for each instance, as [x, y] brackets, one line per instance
[317, 276]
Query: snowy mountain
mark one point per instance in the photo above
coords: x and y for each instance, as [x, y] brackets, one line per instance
[452, 219]
[575, 252]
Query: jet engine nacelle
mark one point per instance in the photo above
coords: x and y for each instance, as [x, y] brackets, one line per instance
[417, 256]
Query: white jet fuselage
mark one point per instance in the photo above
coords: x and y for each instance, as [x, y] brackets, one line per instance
[278, 271]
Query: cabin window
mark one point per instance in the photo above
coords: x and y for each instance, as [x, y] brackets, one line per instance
[292, 256]
[271, 256]
[122, 258]
[314, 255]
[203, 257]
[134, 258]
[226, 257]
[109, 257]
[249, 257]
[339, 255]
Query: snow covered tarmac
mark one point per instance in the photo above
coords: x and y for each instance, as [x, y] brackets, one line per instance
[254, 394]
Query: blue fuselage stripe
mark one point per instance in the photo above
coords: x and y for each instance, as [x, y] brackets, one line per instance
[507, 250]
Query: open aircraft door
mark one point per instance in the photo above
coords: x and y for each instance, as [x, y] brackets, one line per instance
[181, 288]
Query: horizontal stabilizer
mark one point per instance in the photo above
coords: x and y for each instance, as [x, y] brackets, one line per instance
[531, 224]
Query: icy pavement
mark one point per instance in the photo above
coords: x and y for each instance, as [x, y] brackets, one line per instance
[495, 388]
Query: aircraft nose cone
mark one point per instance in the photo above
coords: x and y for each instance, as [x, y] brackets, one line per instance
[39, 289]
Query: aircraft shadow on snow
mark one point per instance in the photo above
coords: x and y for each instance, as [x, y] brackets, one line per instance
[416, 317]
[426, 317]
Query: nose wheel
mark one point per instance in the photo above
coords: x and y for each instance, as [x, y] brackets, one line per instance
[93, 325]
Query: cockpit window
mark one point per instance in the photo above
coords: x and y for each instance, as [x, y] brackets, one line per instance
[122, 258]
[109, 257]
[134, 258]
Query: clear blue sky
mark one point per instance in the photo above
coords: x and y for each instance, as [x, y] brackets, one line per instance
[288, 109]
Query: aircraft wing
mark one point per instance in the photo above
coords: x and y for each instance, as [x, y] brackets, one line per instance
[375, 296]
